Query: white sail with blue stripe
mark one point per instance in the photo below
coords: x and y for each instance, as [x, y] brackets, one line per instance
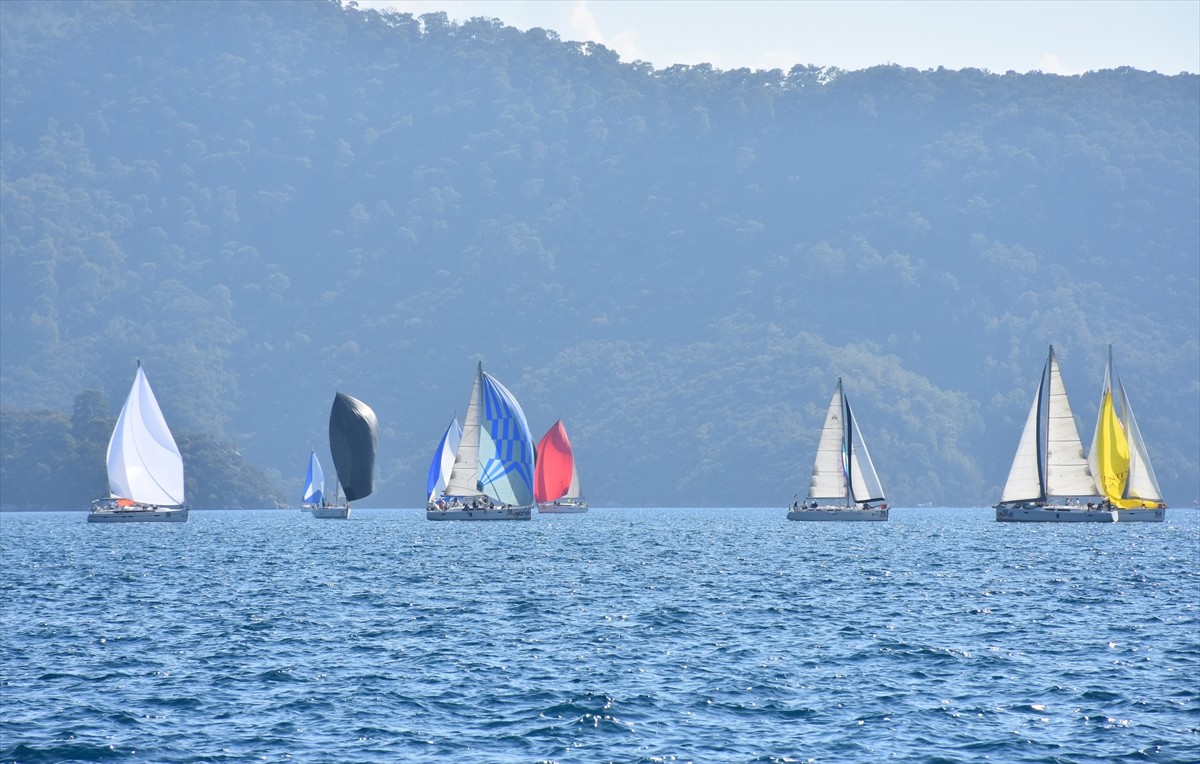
[443, 459]
[314, 483]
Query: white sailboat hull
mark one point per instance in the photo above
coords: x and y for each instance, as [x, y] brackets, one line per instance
[138, 514]
[330, 513]
[478, 513]
[1054, 514]
[820, 513]
[563, 507]
[1141, 515]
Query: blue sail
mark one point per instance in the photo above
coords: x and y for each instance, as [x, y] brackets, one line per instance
[505, 446]
[314, 484]
[443, 459]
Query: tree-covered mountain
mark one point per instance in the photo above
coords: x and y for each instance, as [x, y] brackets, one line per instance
[53, 460]
[268, 202]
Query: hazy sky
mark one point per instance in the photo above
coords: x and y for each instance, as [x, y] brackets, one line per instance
[1053, 36]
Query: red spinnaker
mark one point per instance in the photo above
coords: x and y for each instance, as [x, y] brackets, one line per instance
[552, 477]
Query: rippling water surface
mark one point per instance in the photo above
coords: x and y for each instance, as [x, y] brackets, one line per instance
[625, 635]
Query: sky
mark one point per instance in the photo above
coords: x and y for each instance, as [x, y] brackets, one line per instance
[1057, 36]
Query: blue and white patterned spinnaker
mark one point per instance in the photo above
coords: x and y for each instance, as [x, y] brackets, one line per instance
[495, 455]
[507, 475]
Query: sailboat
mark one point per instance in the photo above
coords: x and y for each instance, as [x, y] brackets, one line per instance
[492, 476]
[353, 437]
[145, 469]
[844, 484]
[556, 478]
[1050, 480]
[443, 460]
[314, 484]
[1118, 457]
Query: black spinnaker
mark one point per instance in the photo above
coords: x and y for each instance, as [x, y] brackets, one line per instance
[353, 435]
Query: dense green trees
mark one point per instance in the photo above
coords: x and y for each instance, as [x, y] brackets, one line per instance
[268, 202]
[50, 461]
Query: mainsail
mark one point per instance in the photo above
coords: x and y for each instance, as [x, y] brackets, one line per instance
[1118, 457]
[843, 468]
[353, 436]
[314, 481]
[1049, 461]
[829, 467]
[556, 475]
[495, 455]
[443, 459]
[144, 463]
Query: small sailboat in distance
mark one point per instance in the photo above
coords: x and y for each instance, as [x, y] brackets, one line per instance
[145, 468]
[556, 478]
[353, 438]
[844, 482]
[314, 484]
[1049, 480]
[1118, 457]
[492, 477]
[443, 460]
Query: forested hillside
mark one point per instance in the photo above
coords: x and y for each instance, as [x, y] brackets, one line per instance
[269, 202]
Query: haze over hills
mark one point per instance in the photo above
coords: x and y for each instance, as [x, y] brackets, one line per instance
[270, 202]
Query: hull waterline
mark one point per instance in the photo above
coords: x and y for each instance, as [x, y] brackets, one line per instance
[479, 513]
[331, 513]
[143, 515]
[562, 508]
[837, 513]
[1054, 515]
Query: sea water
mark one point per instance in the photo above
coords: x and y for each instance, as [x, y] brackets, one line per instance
[623, 635]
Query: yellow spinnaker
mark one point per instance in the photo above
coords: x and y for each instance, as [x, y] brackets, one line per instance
[1113, 458]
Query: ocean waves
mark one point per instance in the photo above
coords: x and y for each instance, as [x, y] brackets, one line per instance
[619, 635]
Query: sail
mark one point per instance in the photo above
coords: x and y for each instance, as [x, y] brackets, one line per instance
[443, 459]
[314, 482]
[1118, 456]
[1067, 471]
[1025, 477]
[573, 490]
[464, 475]
[505, 446]
[555, 466]
[353, 437]
[829, 467]
[144, 463]
[495, 455]
[864, 481]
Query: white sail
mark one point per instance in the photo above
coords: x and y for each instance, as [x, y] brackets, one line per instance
[464, 476]
[574, 491]
[829, 467]
[1142, 482]
[864, 481]
[1067, 471]
[144, 463]
[1025, 477]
